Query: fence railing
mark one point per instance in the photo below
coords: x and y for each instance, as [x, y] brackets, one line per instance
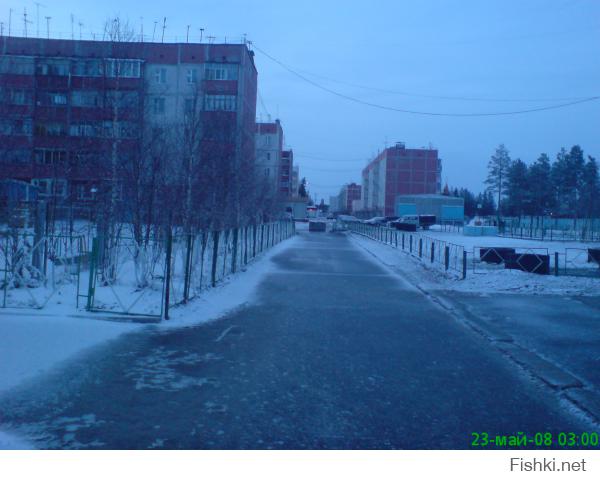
[444, 255]
[546, 228]
[125, 278]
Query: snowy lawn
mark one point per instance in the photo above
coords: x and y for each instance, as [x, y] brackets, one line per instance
[494, 281]
[33, 342]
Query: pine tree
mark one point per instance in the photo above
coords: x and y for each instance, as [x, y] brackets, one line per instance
[302, 192]
[590, 189]
[497, 171]
[517, 188]
[540, 186]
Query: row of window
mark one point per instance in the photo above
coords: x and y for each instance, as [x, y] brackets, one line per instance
[59, 187]
[112, 68]
[87, 129]
[212, 103]
[212, 71]
[79, 98]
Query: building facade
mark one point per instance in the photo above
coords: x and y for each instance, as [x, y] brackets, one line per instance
[269, 148]
[399, 171]
[348, 194]
[68, 106]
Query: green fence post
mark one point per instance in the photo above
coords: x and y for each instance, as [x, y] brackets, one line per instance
[402, 240]
[188, 268]
[246, 244]
[262, 236]
[420, 247]
[92, 280]
[213, 271]
[396, 238]
[410, 244]
[234, 253]
[253, 240]
[168, 272]
[556, 263]
[447, 257]
[464, 272]
[432, 252]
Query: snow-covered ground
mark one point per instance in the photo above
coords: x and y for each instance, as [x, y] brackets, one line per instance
[431, 277]
[32, 343]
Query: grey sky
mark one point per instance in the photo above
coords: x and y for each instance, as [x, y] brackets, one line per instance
[478, 49]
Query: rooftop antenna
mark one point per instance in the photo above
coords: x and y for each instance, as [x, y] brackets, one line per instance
[154, 31]
[37, 17]
[187, 36]
[1, 29]
[72, 27]
[80, 25]
[48, 27]
[244, 39]
[210, 38]
[25, 21]
[141, 29]
[163, 30]
[201, 33]
[9, 20]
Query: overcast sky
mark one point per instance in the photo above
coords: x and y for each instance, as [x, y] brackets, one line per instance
[408, 53]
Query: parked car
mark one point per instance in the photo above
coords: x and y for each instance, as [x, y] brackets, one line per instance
[375, 221]
[348, 218]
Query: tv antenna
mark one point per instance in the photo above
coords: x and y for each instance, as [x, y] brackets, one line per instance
[210, 38]
[25, 21]
[9, 20]
[154, 31]
[72, 27]
[48, 27]
[187, 35]
[80, 25]
[163, 29]
[141, 29]
[201, 33]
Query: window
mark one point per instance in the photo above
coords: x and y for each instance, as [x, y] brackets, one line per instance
[88, 68]
[160, 75]
[220, 102]
[268, 140]
[123, 68]
[52, 99]
[86, 192]
[191, 75]
[19, 96]
[17, 65]
[158, 106]
[52, 67]
[50, 129]
[83, 130]
[84, 98]
[221, 71]
[268, 155]
[49, 186]
[44, 156]
[17, 126]
[189, 106]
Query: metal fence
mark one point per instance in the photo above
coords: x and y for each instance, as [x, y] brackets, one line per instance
[445, 255]
[127, 279]
[549, 228]
[34, 268]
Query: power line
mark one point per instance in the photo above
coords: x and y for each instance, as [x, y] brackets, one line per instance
[442, 97]
[417, 112]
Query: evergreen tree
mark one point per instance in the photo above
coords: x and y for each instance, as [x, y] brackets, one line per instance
[540, 186]
[470, 201]
[517, 183]
[302, 192]
[590, 189]
[497, 171]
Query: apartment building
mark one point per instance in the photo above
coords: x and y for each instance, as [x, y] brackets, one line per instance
[397, 171]
[66, 106]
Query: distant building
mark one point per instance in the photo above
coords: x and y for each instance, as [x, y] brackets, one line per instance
[348, 193]
[285, 174]
[269, 148]
[399, 171]
[333, 204]
[444, 207]
[295, 180]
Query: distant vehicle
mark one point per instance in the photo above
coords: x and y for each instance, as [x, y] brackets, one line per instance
[311, 212]
[422, 221]
[375, 221]
[317, 226]
[389, 220]
[348, 218]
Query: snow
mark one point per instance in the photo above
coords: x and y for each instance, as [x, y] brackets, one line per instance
[32, 343]
[430, 277]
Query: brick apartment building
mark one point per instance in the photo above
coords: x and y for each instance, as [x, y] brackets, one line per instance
[59, 98]
[348, 193]
[397, 171]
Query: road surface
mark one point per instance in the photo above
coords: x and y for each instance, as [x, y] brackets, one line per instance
[335, 352]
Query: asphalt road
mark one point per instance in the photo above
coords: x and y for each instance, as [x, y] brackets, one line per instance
[334, 353]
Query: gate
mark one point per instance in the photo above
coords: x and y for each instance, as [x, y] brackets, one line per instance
[34, 269]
